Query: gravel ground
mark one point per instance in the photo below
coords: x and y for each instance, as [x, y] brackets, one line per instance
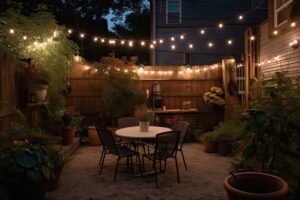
[80, 179]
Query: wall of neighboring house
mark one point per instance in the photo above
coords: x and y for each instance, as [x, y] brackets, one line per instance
[197, 15]
[275, 53]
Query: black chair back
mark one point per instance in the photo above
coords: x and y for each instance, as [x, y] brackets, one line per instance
[183, 127]
[166, 144]
[108, 140]
[127, 122]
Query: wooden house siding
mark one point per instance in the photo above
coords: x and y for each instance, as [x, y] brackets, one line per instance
[288, 57]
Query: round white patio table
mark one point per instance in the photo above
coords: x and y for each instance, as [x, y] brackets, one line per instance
[134, 132]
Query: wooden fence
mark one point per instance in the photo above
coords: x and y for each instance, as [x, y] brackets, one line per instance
[86, 93]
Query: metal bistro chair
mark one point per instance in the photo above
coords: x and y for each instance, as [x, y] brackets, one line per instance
[165, 147]
[183, 127]
[127, 122]
[111, 147]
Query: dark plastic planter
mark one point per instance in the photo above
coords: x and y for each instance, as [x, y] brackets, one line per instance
[255, 186]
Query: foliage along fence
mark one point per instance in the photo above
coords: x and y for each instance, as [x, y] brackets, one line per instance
[86, 93]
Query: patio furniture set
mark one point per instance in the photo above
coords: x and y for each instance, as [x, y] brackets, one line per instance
[158, 145]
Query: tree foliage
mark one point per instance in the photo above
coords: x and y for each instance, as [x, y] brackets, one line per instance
[46, 44]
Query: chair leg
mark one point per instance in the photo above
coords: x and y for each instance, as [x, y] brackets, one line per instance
[165, 165]
[102, 163]
[183, 159]
[131, 163]
[115, 177]
[155, 172]
[143, 165]
[140, 165]
[101, 156]
[178, 178]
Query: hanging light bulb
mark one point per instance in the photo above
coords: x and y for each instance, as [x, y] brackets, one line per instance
[229, 42]
[221, 25]
[55, 34]
[142, 43]
[191, 46]
[241, 17]
[122, 42]
[210, 44]
[161, 41]
[82, 35]
[11, 31]
[102, 40]
[182, 37]
[24, 37]
[275, 32]
[252, 38]
[130, 43]
[202, 32]
[151, 46]
[293, 24]
[172, 38]
[154, 42]
[70, 31]
[173, 47]
[95, 39]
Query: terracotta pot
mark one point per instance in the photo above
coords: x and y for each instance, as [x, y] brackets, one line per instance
[93, 136]
[255, 186]
[210, 147]
[224, 147]
[68, 135]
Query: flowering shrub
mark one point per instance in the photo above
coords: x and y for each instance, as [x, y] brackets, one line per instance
[214, 96]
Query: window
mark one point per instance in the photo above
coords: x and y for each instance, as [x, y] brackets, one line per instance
[173, 11]
[281, 11]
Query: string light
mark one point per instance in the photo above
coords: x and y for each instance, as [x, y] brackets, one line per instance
[210, 44]
[172, 38]
[95, 39]
[55, 34]
[182, 37]
[11, 31]
[191, 46]
[82, 35]
[221, 25]
[229, 42]
[122, 42]
[202, 32]
[24, 37]
[154, 42]
[130, 43]
[252, 38]
[102, 40]
[151, 46]
[86, 67]
[173, 47]
[275, 32]
[77, 58]
[70, 31]
[161, 41]
[142, 43]
[293, 24]
[241, 17]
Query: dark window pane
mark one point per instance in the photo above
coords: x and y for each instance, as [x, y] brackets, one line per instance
[282, 16]
[173, 6]
[173, 18]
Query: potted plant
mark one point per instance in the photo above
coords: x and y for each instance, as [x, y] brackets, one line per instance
[210, 143]
[144, 121]
[38, 84]
[26, 164]
[73, 123]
